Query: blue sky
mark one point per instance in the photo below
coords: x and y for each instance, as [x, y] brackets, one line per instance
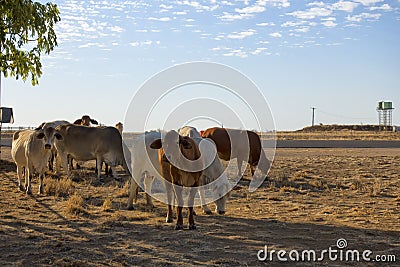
[341, 57]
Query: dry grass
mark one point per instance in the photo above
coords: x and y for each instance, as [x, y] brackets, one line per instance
[58, 187]
[376, 188]
[107, 205]
[75, 205]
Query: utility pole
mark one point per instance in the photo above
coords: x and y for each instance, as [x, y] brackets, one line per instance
[313, 115]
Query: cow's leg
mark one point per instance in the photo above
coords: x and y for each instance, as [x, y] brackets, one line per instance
[28, 174]
[64, 163]
[70, 163]
[204, 206]
[51, 162]
[114, 173]
[179, 222]
[239, 164]
[169, 189]
[179, 198]
[98, 167]
[58, 164]
[252, 169]
[148, 183]
[192, 194]
[133, 192]
[108, 170]
[41, 176]
[20, 170]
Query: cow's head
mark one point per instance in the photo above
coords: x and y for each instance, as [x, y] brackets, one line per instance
[175, 145]
[120, 127]
[48, 135]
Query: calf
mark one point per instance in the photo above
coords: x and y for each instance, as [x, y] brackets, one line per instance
[31, 150]
[180, 162]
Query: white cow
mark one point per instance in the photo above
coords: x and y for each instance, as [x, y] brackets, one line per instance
[31, 150]
[52, 124]
[145, 165]
[214, 171]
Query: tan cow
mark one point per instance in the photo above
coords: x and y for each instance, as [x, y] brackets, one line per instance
[176, 155]
[240, 144]
[213, 174]
[31, 150]
[91, 143]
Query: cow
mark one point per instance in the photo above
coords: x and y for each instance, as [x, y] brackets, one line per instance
[215, 171]
[86, 121]
[31, 150]
[144, 166]
[174, 153]
[240, 144]
[91, 143]
[52, 124]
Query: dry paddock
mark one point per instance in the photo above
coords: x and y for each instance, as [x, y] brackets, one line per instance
[312, 198]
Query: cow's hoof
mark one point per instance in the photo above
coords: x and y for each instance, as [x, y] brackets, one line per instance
[169, 220]
[28, 192]
[178, 227]
[21, 187]
[130, 207]
[192, 227]
[221, 212]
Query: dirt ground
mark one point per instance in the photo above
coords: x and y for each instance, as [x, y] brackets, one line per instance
[312, 198]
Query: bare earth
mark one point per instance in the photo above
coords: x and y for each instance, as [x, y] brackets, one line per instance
[312, 198]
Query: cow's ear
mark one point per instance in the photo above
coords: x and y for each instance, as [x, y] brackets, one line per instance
[156, 144]
[94, 122]
[40, 126]
[185, 143]
[78, 121]
[40, 135]
[58, 136]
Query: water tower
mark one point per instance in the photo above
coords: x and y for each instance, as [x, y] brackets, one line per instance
[385, 113]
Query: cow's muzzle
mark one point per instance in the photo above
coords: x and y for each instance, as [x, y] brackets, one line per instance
[47, 146]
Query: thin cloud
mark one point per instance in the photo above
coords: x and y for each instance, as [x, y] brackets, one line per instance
[275, 35]
[311, 13]
[163, 19]
[265, 24]
[241, 35]
[363, 16]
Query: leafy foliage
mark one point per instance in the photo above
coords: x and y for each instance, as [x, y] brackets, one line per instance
[26, 30]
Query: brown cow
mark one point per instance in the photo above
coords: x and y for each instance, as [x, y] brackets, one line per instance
[246, 146]
[182, 151]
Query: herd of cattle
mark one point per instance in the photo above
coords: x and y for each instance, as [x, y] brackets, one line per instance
[177, 157]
